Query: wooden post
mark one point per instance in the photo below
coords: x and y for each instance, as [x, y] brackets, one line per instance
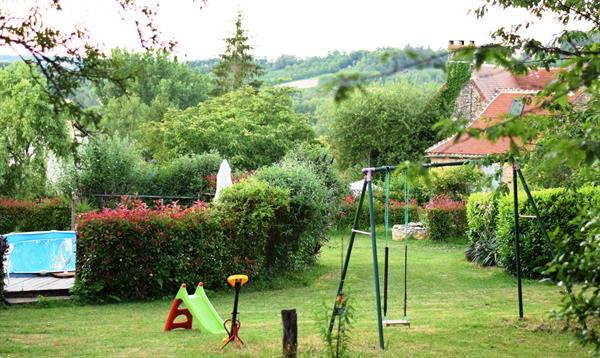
[290, 333]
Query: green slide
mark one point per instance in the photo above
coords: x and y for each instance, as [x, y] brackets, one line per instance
[202, 310]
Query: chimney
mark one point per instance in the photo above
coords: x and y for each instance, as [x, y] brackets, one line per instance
[454, 45]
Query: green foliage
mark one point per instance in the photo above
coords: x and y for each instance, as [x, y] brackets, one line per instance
[558, 208]
[445, 219]
[382, 126]
[29, 130]
[581, 264]
[186, 175]
[339, 339]
[155, 79]
[139, 253]
[236, 67]
[39, 215]
[106, 166]
[457, 183]
[482, 209]
[248, 128]
[311, 211]
[251, 214]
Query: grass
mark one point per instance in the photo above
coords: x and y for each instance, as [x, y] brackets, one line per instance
[456, 309]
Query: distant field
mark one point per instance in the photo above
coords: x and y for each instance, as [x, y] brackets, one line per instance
[456, 310]
[301, 84]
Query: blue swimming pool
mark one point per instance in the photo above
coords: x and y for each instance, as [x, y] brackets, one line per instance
[41, 252]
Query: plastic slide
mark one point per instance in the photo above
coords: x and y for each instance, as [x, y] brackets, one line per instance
[200, 309]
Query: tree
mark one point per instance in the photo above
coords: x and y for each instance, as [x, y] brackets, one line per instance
[247, 127]
[29, 131]
[236, 67]
[382, 126]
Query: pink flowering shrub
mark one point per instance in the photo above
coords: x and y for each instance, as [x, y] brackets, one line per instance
[445, 218]
[34, 215]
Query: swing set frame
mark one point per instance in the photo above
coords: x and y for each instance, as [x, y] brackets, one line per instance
[368, 187]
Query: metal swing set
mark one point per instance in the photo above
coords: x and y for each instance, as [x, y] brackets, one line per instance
[368, 188]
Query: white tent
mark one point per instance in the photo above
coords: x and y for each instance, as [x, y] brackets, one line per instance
[356, 187]
[223, 178]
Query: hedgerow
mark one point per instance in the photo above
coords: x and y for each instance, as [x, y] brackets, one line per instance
[558, 208]
[39, 215]
[482, 209]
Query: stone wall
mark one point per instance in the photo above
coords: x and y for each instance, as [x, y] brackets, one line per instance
[468, 103]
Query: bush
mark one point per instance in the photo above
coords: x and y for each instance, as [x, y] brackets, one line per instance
[312, 210]
[40, 215]
[250, 214]
[558, 209]
[186, 175]
[142, 253]
[445, 219]
[456, 183]
[482, 209]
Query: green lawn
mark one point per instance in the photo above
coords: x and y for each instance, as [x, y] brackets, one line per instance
[456, 309]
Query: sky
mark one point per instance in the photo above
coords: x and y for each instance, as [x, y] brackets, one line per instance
[300, 27]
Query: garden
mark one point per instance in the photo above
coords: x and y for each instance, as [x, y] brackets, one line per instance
[405, 209]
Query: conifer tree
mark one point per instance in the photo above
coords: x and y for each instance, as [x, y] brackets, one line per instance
[236, 67]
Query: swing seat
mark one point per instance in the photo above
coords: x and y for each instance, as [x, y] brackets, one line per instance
[396, 322]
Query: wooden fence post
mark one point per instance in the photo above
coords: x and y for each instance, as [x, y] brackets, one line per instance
[290, 333]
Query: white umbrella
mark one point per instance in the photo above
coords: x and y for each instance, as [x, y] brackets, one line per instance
[223, 177]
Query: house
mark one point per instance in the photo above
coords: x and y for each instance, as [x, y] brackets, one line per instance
[490, 95]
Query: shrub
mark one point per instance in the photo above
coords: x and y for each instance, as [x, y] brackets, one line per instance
[456, 183]
[445, 219]
[482, 209]
[250, 215]
[185, 176]
[312, 210]
[558, 208]
[108, 166]
[143, 253]
[39, 215]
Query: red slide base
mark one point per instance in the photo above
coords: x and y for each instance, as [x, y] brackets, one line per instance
[176, 312]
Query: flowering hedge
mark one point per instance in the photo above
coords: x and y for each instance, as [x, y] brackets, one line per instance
[137, 252]
[445, 219]
[39, 215]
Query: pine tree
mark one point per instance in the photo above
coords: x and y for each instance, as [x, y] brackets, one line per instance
[236, 67]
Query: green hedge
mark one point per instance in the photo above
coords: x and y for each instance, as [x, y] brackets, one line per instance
[558, 208]
[256, 228]
[445, 219]
[311, 209]
[129, 254]
[39, 215]
[251, 214]
[482, 209]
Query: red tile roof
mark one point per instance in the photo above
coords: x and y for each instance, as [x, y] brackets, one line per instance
[493, 113]
[488, 80]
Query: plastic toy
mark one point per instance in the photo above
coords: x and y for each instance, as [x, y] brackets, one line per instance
[235, 281]
[198, 307]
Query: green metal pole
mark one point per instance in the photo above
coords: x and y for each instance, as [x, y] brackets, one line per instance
[348, 253]
[405, 239]
[375, 265]
[517, 245]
